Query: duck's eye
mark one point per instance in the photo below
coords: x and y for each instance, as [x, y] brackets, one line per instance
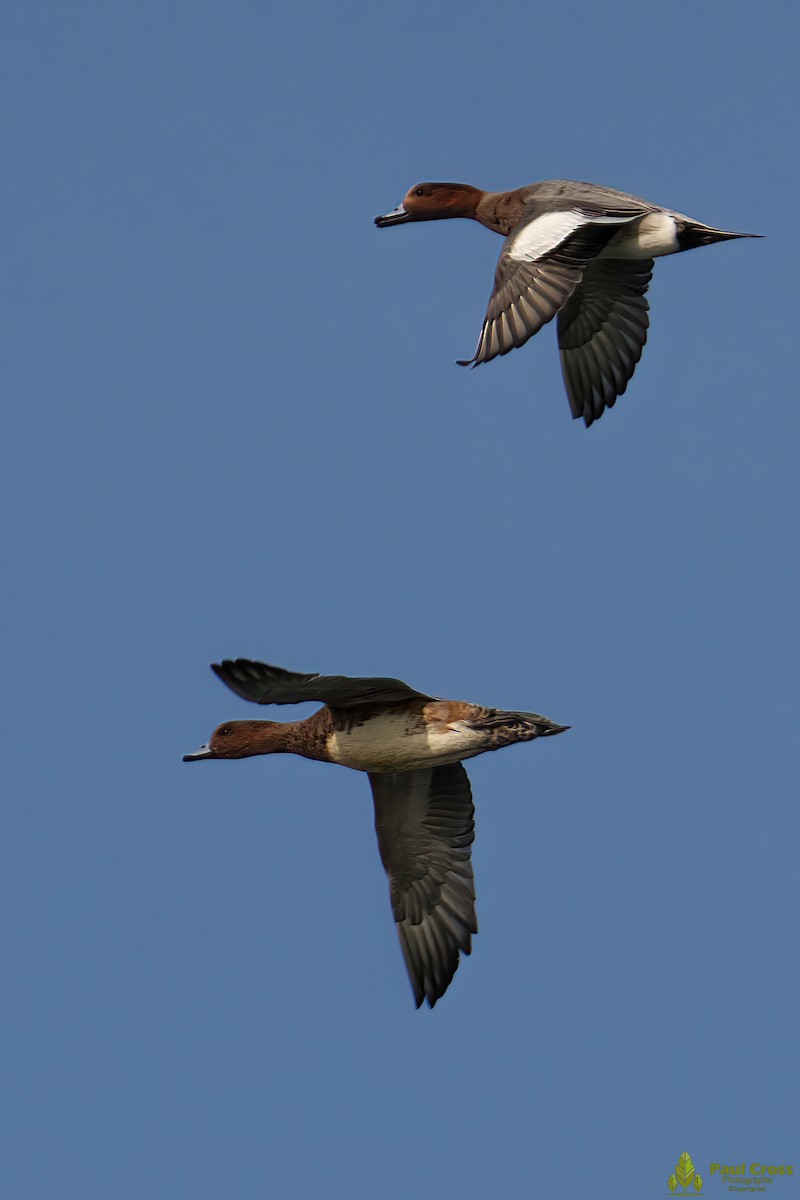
[226, 729]
[419, 191]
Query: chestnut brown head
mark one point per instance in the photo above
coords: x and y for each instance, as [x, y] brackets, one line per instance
[240, 739]
[433, 202]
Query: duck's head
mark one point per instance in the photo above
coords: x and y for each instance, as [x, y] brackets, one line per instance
[433, 202]
[240, 739]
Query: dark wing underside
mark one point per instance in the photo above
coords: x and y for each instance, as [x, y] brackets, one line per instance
[530, 288]
[602, 330]
[424, 821]
[526, 296]
[272, 685]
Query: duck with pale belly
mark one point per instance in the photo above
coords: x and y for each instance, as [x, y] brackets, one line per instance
[411, 746]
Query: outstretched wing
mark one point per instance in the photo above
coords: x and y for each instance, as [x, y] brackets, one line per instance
[540, 266]
[424, 821]
[272, 685]
[602, 330]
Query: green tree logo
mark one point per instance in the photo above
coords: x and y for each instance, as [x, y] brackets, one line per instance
[684, 1175]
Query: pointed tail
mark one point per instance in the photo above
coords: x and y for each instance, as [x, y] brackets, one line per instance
[692, 235]
[539, 725]
[525, 725]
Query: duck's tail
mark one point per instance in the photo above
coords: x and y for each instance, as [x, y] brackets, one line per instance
[508, 727]
[692, 234]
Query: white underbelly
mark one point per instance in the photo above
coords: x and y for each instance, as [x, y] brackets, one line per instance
[652, 236]
[401, 742]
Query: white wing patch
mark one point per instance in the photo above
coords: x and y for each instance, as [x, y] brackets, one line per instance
[541, 236]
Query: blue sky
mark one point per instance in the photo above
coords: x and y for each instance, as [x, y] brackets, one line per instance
[235, 427]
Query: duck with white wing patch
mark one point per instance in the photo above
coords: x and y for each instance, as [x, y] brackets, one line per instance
[577, 250]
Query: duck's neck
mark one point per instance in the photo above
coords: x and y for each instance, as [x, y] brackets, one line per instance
[275, 737]
[306, 738]
[500, 211]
